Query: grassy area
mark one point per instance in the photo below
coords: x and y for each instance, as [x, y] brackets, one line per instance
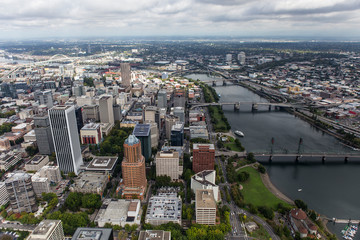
[233, 147]
[260, 233]
[219, 124]
[255, 192]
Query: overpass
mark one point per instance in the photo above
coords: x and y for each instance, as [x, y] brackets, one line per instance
[254, 105]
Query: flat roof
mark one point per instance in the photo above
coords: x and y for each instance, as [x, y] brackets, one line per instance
[204, 146]
[36, 160]
[205, 198]
[82, 233]
[142, 130]
[164, 208]
[105, 163]
[91, 126]
[155, 235]
[116, 209]
[44, 227]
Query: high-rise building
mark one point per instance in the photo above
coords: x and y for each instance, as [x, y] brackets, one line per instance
[40, 184]
[21, 192]
[66, 138]
[167, 163]
[48, 230]
[170, 120]
[79, 118]
[117, 112]
[91, 112]
[78, 90]
[4, 196]
[203, 157]
[162, 99]
[44, 98]
[133, 169]
[143, 133]
[125, 74]
[241, 58]
[179, 112]
[205, 207]
[106, 109]
[50, 172]
[43, 134]
[8, 90]
[228, 57]
[177, 134]
[206, 180]
[83, 233]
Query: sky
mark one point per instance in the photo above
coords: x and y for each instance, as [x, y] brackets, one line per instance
[244, 18]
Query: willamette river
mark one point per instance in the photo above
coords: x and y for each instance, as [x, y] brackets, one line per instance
[332, 190]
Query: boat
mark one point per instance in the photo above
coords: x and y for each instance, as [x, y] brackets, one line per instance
[239, 133]
[300, 189]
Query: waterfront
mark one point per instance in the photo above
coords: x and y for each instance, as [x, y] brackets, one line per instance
[328, 189]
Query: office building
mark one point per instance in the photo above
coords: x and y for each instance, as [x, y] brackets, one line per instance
[203, 157]
[154, 131]
[150, 114]
[66, 138]
[83, 233]
[40, 184]
[48, 230]
[228, 57]
[154, 235]
[162, 99]
[179, 112]
[104, 164]
[205, 207]
[119, 212]
[4, 144]
[133, 169]
[91, 133]
[7, 160]
[4, 196]
[206, 180]
[117, 112]
[125, 74]
[106, 109]
[177, 134]
[170, 120]
[164, 208]
[44, 98]
[43, 134]
[78, 90]
[37, 162]
[90, 182]
[50, 172]
[91, 113]
[167, 163]
[21, 192]
[142, 132]
[241, 58]
[79, 118]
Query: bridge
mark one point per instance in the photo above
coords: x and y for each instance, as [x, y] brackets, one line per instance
[344, 221]
[253, 104]
[308, 158]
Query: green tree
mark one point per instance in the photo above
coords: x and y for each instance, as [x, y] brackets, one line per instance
[300, 204]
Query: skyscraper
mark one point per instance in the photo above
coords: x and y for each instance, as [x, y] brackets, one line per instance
[167, 163]
[43, 134]
[44, 98]
[203, 157]
[177, 134]
[21, 193]
[241, 58]
[143, 133]
[133, 169]
[66, 138]
[125, 74]
[106, 109]
[162, 99]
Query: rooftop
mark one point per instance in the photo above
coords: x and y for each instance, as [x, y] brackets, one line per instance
[164, 208]
[36, 160]
[16, 176]
[102, 163]
[116, 210]
[155, 235]
[44, 228]
[92, 234]
[205, 199]
[132, 140]
[91, 126]
[142, 130]
[203, 146]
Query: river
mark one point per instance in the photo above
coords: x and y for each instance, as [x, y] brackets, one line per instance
[331, 190]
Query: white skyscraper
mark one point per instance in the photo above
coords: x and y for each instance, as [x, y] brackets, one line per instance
[228, 57]
[66, 138]
[241, 58]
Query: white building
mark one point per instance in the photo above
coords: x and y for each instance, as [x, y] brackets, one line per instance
[50, 172]
[206, 180]
[8, 160]
[228, 57]
[205, 207]
[4, 196]
[37, 162]
[167, 163]
[40, 184]
[48, 230]
[119, 212]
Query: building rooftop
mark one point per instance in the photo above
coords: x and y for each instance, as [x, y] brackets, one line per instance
[203, 146]
[102, 164]
[179, 126]
[132, 140]
[205, 199]
[43, 228]
[142, 130]
[91, 126]
[164, 208]
[92, 234]
[36, 159]
[16, 176]
[201, 177]
[155, 235]
[117, 210]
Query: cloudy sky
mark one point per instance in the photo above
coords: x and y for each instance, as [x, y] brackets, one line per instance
[84, 18]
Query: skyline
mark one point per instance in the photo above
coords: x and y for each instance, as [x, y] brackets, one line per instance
[240, 18]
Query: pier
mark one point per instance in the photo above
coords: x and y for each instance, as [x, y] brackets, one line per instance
[344, 221]
[307, 158]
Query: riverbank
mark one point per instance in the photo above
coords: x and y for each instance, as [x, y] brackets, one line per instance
[270, 186]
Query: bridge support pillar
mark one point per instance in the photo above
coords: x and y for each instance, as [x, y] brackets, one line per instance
[346, 160]
[236, 106]
[323, 159]
[254, 107]
[224, 83]
[270, 159]
[277, 108]
[297, 159]
[214, 83]
[269, 108]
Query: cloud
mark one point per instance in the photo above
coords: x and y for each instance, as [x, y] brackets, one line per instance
[179, 17]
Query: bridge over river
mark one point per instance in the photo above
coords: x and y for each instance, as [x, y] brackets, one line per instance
[254, 105]
[308, 158]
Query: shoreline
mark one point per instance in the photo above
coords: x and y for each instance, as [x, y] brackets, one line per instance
[274, 190]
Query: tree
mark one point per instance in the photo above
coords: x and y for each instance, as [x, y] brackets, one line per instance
[300, 204]
[267, 212]
[91, 201]
[6, 237]
[243, 176]
[73, 201]
[251, 157]
[31, 150]
[122, 235]
[261, 169]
